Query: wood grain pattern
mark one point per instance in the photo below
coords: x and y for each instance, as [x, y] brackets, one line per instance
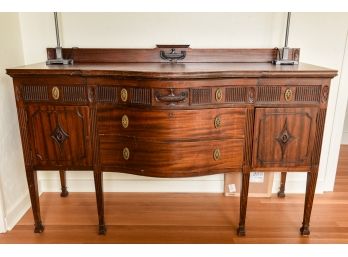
[74, 148]
[181, 159]
[92, 55]
[178, 71]
[284, 137]
[174, 124]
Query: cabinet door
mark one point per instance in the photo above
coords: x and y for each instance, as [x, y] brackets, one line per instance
[60, 135]
[284, 136]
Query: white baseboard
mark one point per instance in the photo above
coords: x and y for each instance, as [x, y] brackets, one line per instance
[344, 140]
[17, 210]
[296, 183]
[118, 182]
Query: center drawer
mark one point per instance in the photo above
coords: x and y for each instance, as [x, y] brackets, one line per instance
[173, 159]
[172, 124]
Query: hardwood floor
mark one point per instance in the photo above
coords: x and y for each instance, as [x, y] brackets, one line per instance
[188, 218]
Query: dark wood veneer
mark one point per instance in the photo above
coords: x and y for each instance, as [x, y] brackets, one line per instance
[171, 111]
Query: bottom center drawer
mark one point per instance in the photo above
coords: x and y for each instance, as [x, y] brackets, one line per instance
[170, 159]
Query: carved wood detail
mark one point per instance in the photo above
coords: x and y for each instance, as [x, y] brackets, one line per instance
[35, 93]
[320, 120]
[107, 94]
[74, 94]
[23, 125]
[59, 135]
[17, 92]
[325, 94]
[249, 133]
[251, 95]
[235, 94]
[268, 94]
[308, 94]
[140, 96]
[284, 138]
[91, 94]
[40, 93]
[201, 96]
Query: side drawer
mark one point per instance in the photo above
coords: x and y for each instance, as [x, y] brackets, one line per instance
[67, 94]
[174, 159]
[173, 124]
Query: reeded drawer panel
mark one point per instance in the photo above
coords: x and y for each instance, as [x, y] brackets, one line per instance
[158, 158]
[173, 124]
[56, 94]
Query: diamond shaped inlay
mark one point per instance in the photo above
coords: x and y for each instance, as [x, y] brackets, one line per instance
[284, 138]
[59, 135]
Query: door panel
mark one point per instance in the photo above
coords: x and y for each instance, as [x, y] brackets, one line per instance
[61, 134]
[284, 136]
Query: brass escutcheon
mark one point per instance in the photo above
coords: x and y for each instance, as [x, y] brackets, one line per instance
[125, 121]
[124, 94]
[126, 153]
[288, 95]
[218, 94]
[217, 122]
[55, 93]
[216, 154]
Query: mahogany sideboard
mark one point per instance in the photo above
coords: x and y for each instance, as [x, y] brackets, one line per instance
[171, 111]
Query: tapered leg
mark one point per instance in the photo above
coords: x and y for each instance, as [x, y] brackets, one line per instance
[310, 191]
[64, 192]
[34, 198]
[98, 180]
[243, 201]
[281, 193]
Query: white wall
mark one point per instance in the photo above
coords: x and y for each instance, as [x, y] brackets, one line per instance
[345, 129]
[320, 37]
[14, 198]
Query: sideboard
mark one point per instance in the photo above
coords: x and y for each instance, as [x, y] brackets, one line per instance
[171, 111]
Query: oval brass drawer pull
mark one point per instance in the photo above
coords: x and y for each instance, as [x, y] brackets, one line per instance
[126, 153]
[288, 95]
[216, 154]
[218, 95]
[55, 93]
[217, 122]
[125, 121]
[124, 95]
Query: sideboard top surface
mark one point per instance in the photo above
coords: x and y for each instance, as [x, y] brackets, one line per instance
[194, 64]
[176, 70]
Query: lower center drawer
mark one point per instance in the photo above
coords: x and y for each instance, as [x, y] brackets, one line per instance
[170, 159]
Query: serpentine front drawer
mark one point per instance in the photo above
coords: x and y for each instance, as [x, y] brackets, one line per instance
[172, 124]
[170, 159]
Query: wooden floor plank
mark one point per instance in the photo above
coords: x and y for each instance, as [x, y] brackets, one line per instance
[188, 218]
